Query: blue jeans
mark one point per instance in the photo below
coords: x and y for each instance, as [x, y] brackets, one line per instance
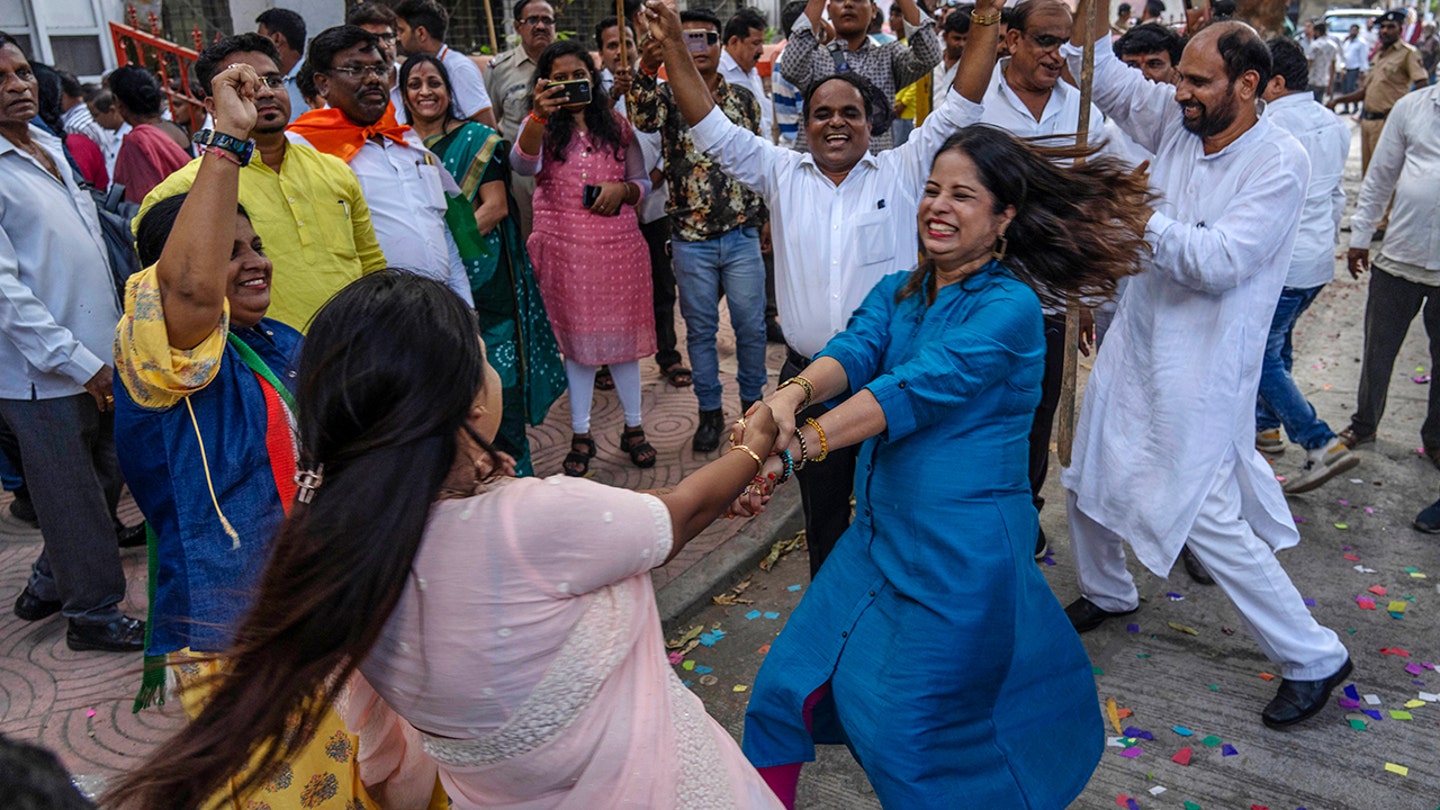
[1280, 401]
[730, 264]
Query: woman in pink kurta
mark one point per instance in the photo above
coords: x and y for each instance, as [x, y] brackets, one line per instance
[590, 258]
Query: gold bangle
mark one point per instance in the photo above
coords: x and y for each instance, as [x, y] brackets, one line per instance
[985, 19]
[824, 445]
[759, 463]
[803, 383]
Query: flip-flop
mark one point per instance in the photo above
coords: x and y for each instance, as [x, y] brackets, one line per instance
[678, 375]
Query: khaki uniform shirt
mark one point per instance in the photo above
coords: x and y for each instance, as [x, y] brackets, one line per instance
[509, 81]
[1391, 74]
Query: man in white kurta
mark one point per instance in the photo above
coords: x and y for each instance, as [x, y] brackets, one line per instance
[1164, 449]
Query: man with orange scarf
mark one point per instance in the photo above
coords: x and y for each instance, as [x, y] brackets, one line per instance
[404, 184]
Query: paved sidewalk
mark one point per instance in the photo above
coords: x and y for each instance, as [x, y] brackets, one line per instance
[78, 704]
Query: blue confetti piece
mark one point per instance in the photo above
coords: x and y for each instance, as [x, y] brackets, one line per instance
[1417, 683]
[1131, 804]
[1228, 750]
[1397, 615]
[752, 615]
[1048, 560]
[708, 639]
[1132, 628]
[701, 669]
[1175, 597]
[1372, 713]
[1182, 731]
[1351, 692]
[687, 684]
[794, 588]
[772, 615]
[1309, 602]
[1138, 733]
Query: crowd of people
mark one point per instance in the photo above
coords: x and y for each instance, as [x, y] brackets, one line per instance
[307, 311]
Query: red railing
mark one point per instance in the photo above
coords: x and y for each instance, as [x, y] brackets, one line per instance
[168, 61]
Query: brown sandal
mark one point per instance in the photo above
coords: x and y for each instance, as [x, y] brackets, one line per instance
[642, 453]
[577, 461]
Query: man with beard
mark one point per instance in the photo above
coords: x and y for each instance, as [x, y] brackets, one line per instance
[1164, 450]
[404, 183]
[889, 67]
[1394, 68]
[307, 207]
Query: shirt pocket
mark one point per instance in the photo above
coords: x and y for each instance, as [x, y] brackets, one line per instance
[432, 190]
[339, 229]
[875, 236]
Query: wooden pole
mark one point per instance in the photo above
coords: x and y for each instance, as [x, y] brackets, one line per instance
[1066, 437]
[490, 23]
[620, 15]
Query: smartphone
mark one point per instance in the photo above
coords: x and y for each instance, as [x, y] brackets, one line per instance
[592, 193]
[698, 41]
[577, 91]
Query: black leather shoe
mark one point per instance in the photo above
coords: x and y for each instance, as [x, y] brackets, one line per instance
[1297, 700]
[122, 635]
[707, 435]
[1195, 568]
[1428, 520]
[130, 536]
[32, 608]
[1085, 615]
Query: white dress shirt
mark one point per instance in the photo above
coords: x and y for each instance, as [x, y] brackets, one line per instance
[1406, 162]
[466, 81]
[1327, 142]
[405, 187]
[833, 243]
[941, 79]
[730, 71]
[1171, 400]
[58, 306]
[1356, 53]
[1061, 116]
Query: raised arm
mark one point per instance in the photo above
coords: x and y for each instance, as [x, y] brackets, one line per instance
[643, 103]
[805, 58]
[1142, 108]
[193, 271]
[920, 52]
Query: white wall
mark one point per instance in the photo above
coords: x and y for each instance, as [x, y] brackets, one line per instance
[318, 14]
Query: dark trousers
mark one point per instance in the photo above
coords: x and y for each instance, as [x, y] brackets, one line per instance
[825, 486]
[1391, 307]
[662, 281]
[1044, 423]
[68, 447]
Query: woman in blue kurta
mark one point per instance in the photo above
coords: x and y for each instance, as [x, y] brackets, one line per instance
[930, 644]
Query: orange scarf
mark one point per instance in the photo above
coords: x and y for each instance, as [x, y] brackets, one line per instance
[329, 131]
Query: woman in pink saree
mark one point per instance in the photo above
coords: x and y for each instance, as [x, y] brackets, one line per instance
[501, 633]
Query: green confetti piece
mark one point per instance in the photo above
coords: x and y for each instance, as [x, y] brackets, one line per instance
[1408, 598]
[1194, 806]
[1214, 687]
[1142, 655]
[1358, 725]
[1396, 714]
[1350, 630]
[1211, 741]
[1410, 569]
[1342, 525]
[1097, 670]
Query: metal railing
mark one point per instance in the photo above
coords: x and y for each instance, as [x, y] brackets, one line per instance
[169, 62]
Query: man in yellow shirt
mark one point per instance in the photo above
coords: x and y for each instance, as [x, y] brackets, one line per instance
[306, 206]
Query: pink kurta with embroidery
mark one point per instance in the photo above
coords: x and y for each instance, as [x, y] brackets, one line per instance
[527, 650]
[594, 271]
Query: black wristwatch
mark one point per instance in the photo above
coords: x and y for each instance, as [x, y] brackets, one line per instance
[242, 150]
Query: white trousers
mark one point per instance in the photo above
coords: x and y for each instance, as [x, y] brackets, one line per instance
[1244, 567]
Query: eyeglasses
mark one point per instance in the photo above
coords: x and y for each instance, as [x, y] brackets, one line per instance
[1046, 43]
[361, 72]
[387, 36]
[274, 81]
[711, 38]
[537, 20]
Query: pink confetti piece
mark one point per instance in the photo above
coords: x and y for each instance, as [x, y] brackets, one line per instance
[1132, 752]
[90, 713]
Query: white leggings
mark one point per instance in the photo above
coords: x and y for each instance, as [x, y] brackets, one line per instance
[582, 391]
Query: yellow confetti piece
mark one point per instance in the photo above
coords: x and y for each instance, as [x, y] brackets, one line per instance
[1182, 628]
[739, 687]
[1113, 712]
[1342, 525]
[1400, 769]
[1417, 575]
[1414, 704]
[1397, 606]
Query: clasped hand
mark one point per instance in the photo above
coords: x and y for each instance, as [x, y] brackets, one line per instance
[758, 430]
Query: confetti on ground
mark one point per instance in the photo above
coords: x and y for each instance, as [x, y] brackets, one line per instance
[1113, 712]
[1228, 750]
[1097, 671]
[1308, 601]
[1175, 597]
[1182, 756]
[1182, 628]
[1191, 806]
[1397, 606]
[1132, 628]
[1400, 769]
[1365, 602]
[1138, 733]
[739, 687]
[1132, 752]
[1371, 713]
[675, 657]
[1397, 714]
[1429, 697]
[1351, 692]
[1182, 731]
[793, 588]
[1265, 676]
[1348, 703]
[688, 666]
[1373, 700]
[1414, 704]
[1414, 668]
[1378, 590]
[708, 639]
[1211, 741]
[1157, 790]
[1214, 687]
[1357, 724]
[770, 614]
[1400, 651]
[1422, 379]
[701, 669]
[1352, 558]
[752, 615]
[1342, 525]
[764, 649]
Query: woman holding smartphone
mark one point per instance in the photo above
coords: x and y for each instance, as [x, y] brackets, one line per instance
[591, 260]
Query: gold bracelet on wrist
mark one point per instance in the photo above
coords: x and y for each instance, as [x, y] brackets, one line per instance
[803, 383]
[759, 462]
[985, 19]
[824, 445]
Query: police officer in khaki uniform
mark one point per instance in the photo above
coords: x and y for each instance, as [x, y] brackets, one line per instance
[510, 81]
[1394, 68]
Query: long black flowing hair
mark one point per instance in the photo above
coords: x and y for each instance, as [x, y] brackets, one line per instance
[387, 377]
[600, 119]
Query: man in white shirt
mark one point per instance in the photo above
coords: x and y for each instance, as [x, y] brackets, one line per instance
[1027, 99]
[102, 107]
[841, 218]
[404, 184]
[286, 29]
[744, 39]
[1164, 451]
[58, 310]
[1326, 139]
[1406, 274]
[420, 28]
[1355, 53]
[954, 31]
[1324, 56]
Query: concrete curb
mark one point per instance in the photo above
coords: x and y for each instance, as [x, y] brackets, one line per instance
[685, 595]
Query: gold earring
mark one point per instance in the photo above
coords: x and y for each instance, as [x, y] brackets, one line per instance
[1002, 245]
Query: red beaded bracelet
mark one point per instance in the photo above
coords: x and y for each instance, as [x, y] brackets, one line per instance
[223, 153]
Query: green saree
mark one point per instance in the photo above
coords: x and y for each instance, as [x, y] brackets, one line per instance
[518, 340]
